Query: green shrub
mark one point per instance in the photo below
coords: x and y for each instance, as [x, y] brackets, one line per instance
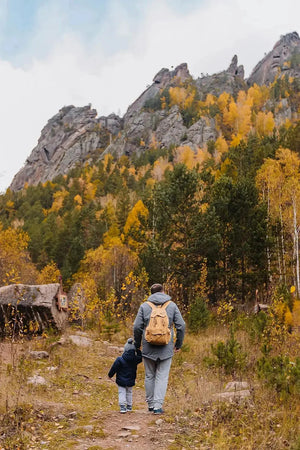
[227, 356]
[153, 104]
[280, 373]
[257, 326]
[199, 316]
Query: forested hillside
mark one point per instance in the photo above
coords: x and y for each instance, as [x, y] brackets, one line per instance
[228, 210]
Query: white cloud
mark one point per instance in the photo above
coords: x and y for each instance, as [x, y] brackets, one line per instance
[76, 72]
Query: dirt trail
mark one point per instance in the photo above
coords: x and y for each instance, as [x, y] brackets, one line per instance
[138, 429]
[134, 430]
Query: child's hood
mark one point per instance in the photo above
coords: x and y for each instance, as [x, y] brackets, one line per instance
[129, 355]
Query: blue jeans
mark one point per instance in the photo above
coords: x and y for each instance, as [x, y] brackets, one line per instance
[156, 381]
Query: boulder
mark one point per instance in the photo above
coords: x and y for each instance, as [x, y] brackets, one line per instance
[37, 380]
[39, 354]
[30, 308]
[80, 341]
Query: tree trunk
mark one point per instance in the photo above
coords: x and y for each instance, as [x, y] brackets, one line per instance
[282, 246]
[296, 246]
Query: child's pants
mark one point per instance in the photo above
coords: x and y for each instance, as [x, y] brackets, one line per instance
[125, 395]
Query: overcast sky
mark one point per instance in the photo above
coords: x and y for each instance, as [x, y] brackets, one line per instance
[55, 53]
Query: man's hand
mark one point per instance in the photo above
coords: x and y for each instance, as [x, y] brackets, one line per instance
[176, 350]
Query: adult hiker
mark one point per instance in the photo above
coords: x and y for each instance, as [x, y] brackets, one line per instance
[158, 344]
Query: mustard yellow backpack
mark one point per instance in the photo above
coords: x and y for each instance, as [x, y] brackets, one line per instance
[157, 331]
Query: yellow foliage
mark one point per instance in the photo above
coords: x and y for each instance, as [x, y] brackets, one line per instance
[10, 205]
[210, 100]
[189, 100]
[236, 139]
[258, 95]
[185, 155]
[223, 101]
[287, 124]
[15, 263]
[49, 274]
[264, 123]
[132, 171]
[221, 145]
[108, 162]
[112, 237]
[58, 199]
[283, 313]
[228, 168]
[150, 182]
[133, 220]
[181, 97]
[134, 232]
[90, 191]
[238, 117]
[78, 200]
[102, 273]
[201, 156]
[159, 168]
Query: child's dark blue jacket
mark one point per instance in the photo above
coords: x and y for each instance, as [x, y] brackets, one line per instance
[125, 367]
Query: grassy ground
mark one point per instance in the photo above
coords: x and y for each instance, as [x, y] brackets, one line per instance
[74, 409]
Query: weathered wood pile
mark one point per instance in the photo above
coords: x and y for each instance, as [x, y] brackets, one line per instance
[30, 308]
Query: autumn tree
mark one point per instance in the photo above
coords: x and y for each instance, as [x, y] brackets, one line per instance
[279, 181]
[238, 117]
[15, 262]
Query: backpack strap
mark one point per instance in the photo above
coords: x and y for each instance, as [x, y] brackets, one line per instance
[163, 306]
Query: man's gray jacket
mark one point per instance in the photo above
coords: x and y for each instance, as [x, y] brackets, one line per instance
[142, 319]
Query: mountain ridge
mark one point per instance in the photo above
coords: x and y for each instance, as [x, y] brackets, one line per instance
[76, 135]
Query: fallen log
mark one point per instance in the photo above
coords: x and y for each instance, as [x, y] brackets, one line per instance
[30, 309]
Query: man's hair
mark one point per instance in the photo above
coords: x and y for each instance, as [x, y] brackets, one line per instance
[156, 288]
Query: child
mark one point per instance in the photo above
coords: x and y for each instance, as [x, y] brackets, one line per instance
[125, 367]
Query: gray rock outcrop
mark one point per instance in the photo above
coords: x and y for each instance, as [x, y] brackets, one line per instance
[230, 80]
[283, 58]
[164, 78]
[72, 136]
[30, 305]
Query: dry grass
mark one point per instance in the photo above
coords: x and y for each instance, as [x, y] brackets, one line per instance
[74, 403]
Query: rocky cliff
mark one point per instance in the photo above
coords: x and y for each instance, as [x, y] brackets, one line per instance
[76, 135]
[284, 58]
[72, 136]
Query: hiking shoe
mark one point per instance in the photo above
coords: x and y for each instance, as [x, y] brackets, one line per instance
[129, 407]
[150, 409]
[123, 409]
[158, 411]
